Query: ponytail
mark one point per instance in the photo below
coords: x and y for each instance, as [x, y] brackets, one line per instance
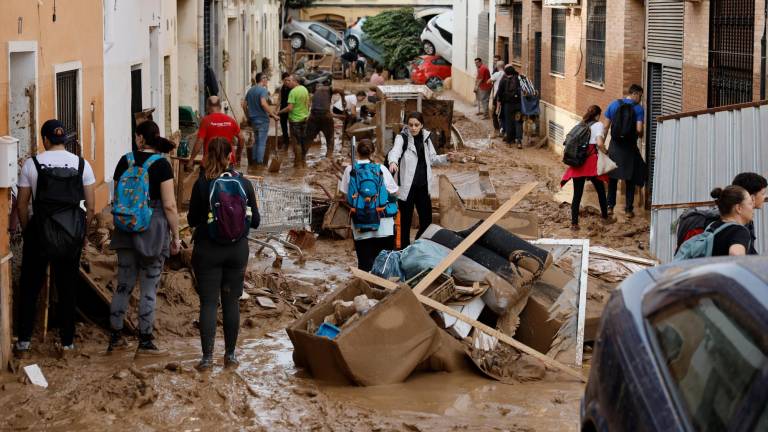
[151, 134]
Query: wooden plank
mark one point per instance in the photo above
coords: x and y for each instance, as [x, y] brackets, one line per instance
[625, 257]
[368, 277]
[105, 296]
[5, 311]
[472, 238]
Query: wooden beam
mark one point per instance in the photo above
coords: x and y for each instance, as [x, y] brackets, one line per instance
[105, 296]
[473, 237]
[376, 280]
[502, 337]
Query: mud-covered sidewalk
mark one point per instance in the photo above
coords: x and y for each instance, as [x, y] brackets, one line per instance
[95, 391]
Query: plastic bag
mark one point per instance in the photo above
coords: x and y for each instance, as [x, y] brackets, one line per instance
[604, 163]
[421, 255]
[387, 265]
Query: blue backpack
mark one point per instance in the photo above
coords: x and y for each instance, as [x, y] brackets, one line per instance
[229, 216]
[368, 197]
[700, 245]
[131, 209]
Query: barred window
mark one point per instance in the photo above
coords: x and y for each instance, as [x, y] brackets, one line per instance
[517, 31]
[731, 51]
[558, 41]
[596, 42]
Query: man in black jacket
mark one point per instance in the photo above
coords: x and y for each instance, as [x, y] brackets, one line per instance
[508, 101]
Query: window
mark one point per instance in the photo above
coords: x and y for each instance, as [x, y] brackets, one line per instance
[731, 51]
[596, 42]
[517, 31]
[67, 107]
[323, 33]
[712, 360]
[440, 62]
[558, 42]
[445, 34]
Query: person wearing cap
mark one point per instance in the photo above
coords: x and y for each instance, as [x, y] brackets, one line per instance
[217, 124]
[57, 183]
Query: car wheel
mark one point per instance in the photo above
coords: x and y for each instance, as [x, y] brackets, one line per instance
[429, 49]
[297, 41]
[434, 82]
[353, 43]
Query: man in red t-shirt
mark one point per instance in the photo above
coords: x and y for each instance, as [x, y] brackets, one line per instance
[482, 88]
[217, 124]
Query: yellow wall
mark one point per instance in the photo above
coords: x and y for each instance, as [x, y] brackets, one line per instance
[76, 36]
[463, 84]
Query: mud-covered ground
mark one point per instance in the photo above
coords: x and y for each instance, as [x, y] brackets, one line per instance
[96, 391]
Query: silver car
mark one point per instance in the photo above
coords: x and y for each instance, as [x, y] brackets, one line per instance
[313, 36]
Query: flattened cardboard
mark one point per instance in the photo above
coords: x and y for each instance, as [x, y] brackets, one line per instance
[382, 347]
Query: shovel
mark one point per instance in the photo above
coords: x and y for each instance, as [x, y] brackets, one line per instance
[274, 162]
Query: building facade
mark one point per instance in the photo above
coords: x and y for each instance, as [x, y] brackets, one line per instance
[474, 24]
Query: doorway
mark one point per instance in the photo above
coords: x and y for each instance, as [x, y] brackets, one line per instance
[22, 116]
[136, 100]
[67, 108]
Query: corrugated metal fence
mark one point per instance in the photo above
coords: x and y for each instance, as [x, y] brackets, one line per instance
[698, 151]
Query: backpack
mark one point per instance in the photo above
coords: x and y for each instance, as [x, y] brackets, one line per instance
[623, 124]
[700, 245]
[368, 197]
[229, 216]
[693, 222]
[59, 218]
[577, 145]
[511, 89]
[131, 210]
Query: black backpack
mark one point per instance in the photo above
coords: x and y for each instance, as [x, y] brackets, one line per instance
[623, 124]
[577, 145]
[694, 221]
[511, 89]
[58, 218]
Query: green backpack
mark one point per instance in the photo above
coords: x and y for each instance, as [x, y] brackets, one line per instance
[700, 245]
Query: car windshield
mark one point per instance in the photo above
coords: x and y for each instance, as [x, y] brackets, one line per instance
[445, 34]
[713, 361]
[418, 61]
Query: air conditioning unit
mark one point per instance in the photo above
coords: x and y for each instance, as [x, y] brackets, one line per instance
[562, 3]
[503, 2]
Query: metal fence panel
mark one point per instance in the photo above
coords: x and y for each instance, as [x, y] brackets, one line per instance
[698, 152]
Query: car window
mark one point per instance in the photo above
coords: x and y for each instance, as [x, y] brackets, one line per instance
[418, 61]
[712, 359]
[320, 30]
[445, 34]
[440, 62]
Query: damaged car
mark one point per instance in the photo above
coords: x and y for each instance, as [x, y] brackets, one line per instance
[683, 347]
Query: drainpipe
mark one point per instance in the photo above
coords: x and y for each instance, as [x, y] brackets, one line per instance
[201, 55]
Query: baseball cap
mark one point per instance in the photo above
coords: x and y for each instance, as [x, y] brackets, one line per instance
[54, 131]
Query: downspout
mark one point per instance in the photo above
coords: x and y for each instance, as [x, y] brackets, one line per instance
[201, 55]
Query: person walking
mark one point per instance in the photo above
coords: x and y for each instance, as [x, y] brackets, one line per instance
[625, 119]
[482, 88]
[496, 77]
[142, 243]
[411, 158]
[509, 106]
[256, 104]
[369, 243]
[216, 124]
[220, 252]
[736, 211]
[57, 182]
[321, 119]
[298, 113]
[588, 171]
[284, 90]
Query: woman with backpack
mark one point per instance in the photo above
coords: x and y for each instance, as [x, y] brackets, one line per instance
[588, 170]
[731, 236]
[369, 242]
[222, 209]
[411, 158]
[146, 231]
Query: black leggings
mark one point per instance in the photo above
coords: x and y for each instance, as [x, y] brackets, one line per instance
[418, 197]
[578, 191]
[613, 186]
[219, 270]
[368, 249]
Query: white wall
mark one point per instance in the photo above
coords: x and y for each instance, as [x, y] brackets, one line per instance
[465, 32]
[127, 43]
[187, 42]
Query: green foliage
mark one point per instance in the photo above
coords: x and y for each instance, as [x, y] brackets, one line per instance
[298, 4]
[397, 33]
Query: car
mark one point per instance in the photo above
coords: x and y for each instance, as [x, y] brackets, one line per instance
[437, 36]
[314, 36]
[356, 39]
[430, 70]
[683, 347]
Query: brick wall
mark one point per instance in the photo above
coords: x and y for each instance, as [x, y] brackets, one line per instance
[695, 55]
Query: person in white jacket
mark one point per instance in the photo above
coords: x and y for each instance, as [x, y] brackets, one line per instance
[411, 158]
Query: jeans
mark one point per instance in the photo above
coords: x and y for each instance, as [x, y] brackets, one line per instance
[130, 266]
[578, 192]
[495, 117]
[299, 134]
[261, 130]
[419, 198]
[219, 270]
[483, 99]
[513, 128]
[65, 271]
[613, 186]
[284, 129]
[321, 122]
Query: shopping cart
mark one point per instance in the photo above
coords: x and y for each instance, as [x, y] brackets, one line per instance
[281, 210]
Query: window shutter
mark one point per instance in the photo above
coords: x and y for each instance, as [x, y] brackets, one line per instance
[665, 29]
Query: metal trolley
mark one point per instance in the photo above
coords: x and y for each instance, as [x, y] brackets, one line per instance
[280, 210]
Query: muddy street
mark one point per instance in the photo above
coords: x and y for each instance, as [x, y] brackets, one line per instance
[94, 391]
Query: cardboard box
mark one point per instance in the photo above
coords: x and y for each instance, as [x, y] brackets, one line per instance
[461, 329]
[382, 347]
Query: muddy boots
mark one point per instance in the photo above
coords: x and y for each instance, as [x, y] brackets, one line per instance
[206, 363]
[230, 360]
[147, 347]
[116, 341]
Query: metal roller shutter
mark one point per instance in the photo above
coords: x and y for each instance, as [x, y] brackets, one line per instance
[483, 34]
[665, 29]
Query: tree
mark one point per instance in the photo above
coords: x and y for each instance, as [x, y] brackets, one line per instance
[397, 33]
[298, 4]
